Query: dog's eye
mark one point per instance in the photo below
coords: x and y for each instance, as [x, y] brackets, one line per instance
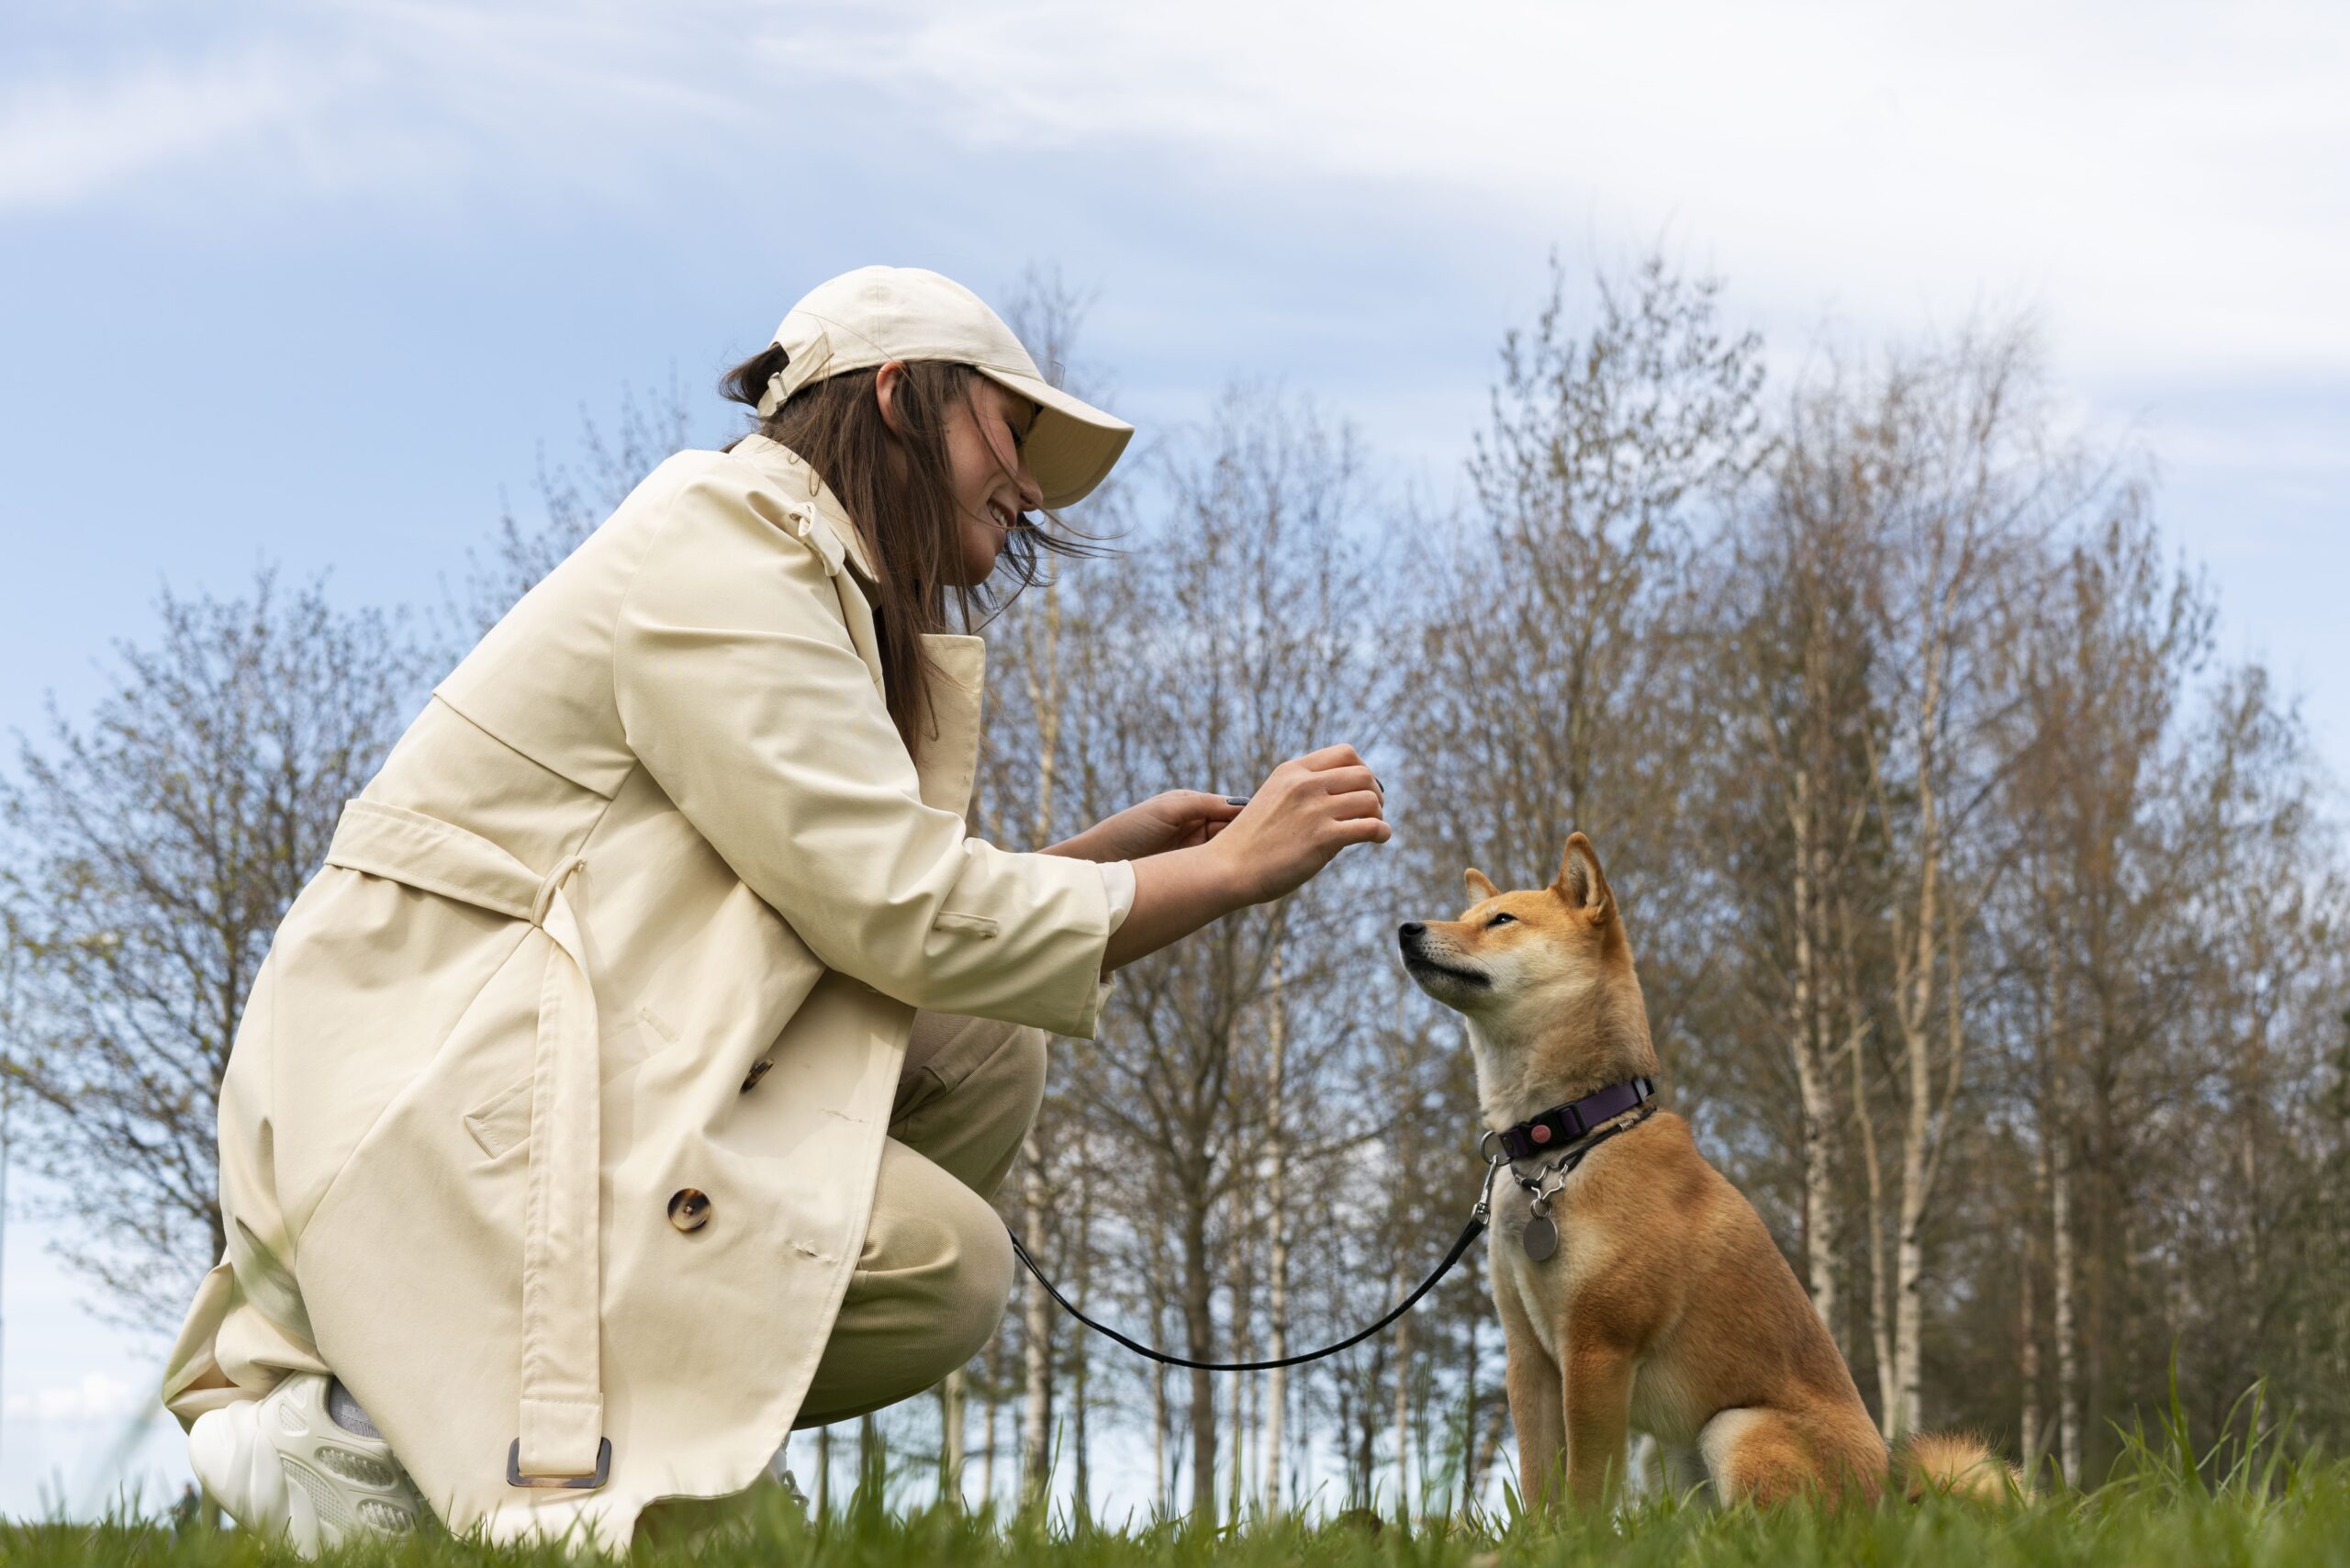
[1499, 920]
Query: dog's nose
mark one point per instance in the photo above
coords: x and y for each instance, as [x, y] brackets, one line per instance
[1411, 931]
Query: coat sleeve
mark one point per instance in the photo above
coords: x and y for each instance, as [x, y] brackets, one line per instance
[741, 692]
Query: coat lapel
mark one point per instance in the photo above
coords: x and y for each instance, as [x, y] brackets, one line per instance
[949, 759]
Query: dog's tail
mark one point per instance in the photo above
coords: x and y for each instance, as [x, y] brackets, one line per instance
[1955, 1464]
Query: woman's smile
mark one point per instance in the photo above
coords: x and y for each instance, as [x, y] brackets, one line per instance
[992, 485]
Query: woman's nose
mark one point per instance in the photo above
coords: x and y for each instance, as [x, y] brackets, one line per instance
[1032, 494]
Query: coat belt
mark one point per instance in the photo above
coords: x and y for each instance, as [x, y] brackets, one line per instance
[559, 1433]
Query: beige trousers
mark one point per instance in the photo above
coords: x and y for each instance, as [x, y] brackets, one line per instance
[931, 1285]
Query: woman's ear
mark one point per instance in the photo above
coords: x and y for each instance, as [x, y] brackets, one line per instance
[885, 391]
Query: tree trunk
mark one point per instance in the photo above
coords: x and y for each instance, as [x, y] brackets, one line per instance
[1036, 1327]
[1468, 1421]
[1880, 1309]
[1162, 1484]
[1041, 668]
[1198, 1327]
[1913, 1007]
[951, 1395]
[987, 1453]
[1237, 1481]
[1910, 1258]
[2028, 1321]
[1081, 1436]
[1277, 1238]
[2068, 1372]
[1820, 1216]
[1403, 1416]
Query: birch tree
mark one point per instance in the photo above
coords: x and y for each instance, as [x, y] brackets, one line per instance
[154, 847]
[1940, 460]
[1233, 634]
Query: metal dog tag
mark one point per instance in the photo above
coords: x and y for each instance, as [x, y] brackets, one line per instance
[1539, 1238]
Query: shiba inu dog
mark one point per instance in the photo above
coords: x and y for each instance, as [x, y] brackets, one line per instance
[1639, 1289]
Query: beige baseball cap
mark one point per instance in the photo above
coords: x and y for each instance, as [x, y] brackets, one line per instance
[873, 315]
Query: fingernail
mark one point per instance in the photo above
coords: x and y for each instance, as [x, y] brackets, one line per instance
[1236, 800]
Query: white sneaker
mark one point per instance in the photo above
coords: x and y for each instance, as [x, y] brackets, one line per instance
[283, 1465]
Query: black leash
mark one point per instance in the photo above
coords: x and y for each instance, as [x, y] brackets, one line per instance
[1571, 1121]
[1468, 1234]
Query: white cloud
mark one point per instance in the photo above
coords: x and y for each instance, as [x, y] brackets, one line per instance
[63, 140]
[96, 1396]
[2169, 180]
[2163, 182]
[2166, 179]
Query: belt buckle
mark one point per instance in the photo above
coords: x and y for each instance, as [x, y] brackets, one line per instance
[589, 1483]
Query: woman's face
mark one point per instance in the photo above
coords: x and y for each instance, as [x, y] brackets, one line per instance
[988, 474]
[992, 485]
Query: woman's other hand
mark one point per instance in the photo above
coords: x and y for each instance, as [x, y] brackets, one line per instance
[1312, 807]
[1307, 810]
[1178, 819]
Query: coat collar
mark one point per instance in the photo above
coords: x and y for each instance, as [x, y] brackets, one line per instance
[798, 482]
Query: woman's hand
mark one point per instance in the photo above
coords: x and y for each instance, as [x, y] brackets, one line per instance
[1178, 819]
[1309, 808]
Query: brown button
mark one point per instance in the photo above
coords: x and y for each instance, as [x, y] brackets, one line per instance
[688, 1208]
[758, 1071]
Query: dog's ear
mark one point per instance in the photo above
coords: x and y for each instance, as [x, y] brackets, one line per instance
[1581, 881]
[1481, 887]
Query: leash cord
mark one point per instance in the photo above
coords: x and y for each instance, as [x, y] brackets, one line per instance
[1469, 1233]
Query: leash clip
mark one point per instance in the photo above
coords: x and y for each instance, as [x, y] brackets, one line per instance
[1494, 1164]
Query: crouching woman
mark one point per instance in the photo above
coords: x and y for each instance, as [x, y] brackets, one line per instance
[630, 1083]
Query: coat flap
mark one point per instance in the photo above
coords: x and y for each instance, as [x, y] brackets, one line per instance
[950, 751]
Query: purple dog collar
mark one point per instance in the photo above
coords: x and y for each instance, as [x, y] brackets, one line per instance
[1553, 1129]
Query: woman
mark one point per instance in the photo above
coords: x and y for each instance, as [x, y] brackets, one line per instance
[630, 1084]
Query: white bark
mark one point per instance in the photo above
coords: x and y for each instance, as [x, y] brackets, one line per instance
[1822, 1219]
[1041, 668]
[987, 1454]
[951, 1395]
[1404, 1415]
[1037, 1325]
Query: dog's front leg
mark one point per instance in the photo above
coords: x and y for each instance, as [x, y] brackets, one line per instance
[1531, 1380]
[1598, 1400]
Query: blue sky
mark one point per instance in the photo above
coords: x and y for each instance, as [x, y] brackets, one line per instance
[315, 283]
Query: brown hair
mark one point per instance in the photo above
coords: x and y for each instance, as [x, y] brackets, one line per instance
[898, 489]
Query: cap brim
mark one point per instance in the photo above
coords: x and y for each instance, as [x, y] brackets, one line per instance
[1073, 445]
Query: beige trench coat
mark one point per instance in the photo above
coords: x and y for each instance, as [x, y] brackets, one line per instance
[554, 1116]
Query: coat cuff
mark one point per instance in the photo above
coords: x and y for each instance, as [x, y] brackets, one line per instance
[1118, 886]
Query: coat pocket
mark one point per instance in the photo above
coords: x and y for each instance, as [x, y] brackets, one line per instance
[502, 1122]
[976, 924]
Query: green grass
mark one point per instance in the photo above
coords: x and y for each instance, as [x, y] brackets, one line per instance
[2168, 1502]
[2307, 1522]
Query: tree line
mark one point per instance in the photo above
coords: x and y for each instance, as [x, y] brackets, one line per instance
[1988, 913]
